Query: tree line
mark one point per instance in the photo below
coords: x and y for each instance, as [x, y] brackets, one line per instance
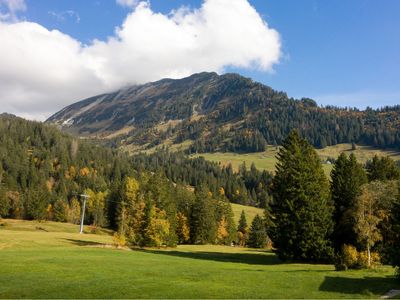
[352, 221]
[243, 186]
[43, 173]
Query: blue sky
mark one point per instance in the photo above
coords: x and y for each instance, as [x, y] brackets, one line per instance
[340, 52]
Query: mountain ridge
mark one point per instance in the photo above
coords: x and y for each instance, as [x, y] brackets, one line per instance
[226, 112]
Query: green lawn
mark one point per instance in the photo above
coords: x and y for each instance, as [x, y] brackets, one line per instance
[266, 160]
[50, 260]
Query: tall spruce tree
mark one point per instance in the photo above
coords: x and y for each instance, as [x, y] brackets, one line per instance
[347, 177]
[203, 229]
[242, 227]
[301, 207]
[257, 234]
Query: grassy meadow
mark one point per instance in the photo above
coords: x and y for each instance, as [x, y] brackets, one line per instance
[52, 260]
[266, 160]
[249, 211]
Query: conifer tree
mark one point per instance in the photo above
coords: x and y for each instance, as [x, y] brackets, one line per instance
[257, 234]
[382, 169]
[347, 177]
[242, 227]
[36, 203]
[203, 227]
[4, 203]
[60, 214]
[301, 209]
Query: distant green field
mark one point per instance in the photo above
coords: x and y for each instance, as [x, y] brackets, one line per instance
[249, 211]
[266, 160]
[51, 260]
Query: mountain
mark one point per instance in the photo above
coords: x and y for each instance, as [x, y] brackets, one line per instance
[222, 113]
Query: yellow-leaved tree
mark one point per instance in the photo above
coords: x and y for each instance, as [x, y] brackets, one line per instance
[367, 218]
[74, 211]
[158, 227]
[96, 207]
[131, 212]
[182, 228]
[222, 231]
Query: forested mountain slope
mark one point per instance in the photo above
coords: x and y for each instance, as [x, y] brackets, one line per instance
[40, 166]
[222, 113]
[43, 172]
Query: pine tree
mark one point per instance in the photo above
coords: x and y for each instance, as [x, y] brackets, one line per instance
[36, 203]
[257, 234]
[203, 227]
[301, 209]
[60, 212]
[242, 227]
[4, 203]
[347, 177]
[382, 169]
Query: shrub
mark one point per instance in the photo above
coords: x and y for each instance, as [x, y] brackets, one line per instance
[350, 258]
[363, 259]
[119, 240]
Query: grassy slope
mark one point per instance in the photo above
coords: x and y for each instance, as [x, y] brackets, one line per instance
[267, 160]
[249, 211]
[57, 264]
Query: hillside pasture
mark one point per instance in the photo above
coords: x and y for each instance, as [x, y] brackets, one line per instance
[249, 211]
[267, 160]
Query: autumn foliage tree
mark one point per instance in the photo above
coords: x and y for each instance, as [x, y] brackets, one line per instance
[366, 218]
[131, 212]
[182, 228]
[157, 228]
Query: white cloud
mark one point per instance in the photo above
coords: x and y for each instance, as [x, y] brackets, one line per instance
[10, 8]
[127, 3]
[63, 15]
[41, 71]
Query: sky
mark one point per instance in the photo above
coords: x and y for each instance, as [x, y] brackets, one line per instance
[338, 52]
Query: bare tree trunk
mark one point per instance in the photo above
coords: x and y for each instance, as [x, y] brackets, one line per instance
[369, 255]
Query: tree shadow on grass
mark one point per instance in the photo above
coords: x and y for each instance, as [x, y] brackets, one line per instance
[83, 243]
[244, 258]
[362, 286]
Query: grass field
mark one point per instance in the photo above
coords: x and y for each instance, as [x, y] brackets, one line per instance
[266, 160]
[50, 260]
[249, 211]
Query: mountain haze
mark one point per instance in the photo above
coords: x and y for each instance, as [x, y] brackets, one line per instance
[222, 113]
